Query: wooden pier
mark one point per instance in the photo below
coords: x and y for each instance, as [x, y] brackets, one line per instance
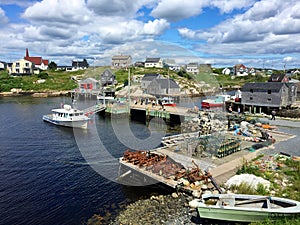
[221, 169]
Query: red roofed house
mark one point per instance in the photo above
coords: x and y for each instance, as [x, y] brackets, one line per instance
[38, 61]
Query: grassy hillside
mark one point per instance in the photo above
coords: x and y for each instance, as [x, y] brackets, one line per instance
[55, 81]
[61, 80]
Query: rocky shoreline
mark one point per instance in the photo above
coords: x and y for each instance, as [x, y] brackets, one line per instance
[34, 94]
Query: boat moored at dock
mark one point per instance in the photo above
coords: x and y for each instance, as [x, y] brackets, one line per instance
[218, 101]
[68, 117]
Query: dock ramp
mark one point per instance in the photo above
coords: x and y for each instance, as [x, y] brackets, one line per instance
[94, 109]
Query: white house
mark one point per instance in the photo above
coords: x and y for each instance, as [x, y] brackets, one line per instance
[171, 64]
[192, 68]
[154, 62]
[21, 67]
[226, 71]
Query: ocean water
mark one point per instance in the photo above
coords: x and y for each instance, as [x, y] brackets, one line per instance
[56, 175]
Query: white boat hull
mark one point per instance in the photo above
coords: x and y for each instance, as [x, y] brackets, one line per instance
[76, 124]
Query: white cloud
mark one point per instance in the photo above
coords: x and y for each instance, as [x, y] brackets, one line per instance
[155, 27]
[3, 18]
[175, 10]
[120, 8]
[288, 59]
[58, 11]
[255, 25]
[227, 6]
[21, 3]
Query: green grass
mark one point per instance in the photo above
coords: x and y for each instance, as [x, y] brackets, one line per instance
[55, 81]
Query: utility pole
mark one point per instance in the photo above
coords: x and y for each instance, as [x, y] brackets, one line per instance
[129, 101]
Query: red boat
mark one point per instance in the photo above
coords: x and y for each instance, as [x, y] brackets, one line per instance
[168, 101]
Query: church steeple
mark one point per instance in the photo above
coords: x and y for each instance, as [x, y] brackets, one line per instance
[27, 53]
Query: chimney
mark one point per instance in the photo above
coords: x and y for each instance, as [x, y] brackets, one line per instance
[27, 53]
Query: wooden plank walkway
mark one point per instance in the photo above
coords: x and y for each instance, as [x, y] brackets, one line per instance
[94, 109]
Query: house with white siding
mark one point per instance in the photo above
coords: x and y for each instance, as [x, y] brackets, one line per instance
[21, 67]
[192, 68]
[154, 63]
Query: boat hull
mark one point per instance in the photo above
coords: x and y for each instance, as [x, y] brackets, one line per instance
[170, 104]
[246, 208]
[210, 104]
[75, 124]
[238, 215]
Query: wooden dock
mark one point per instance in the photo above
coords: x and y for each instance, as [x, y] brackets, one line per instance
[94, 109]
[221, 169]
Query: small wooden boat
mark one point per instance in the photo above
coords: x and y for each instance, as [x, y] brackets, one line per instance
[244, 208]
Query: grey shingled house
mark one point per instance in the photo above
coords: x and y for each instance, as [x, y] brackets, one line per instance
[268, 94]
[147, 79]
[163, 86]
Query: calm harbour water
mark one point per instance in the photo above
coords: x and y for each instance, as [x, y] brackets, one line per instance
[44, 177]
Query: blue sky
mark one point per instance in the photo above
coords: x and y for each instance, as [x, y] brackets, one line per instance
[263, 33]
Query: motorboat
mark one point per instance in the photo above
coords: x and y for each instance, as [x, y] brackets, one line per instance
[68, 117]
[244, 208]
[168, 101]
[217, 101]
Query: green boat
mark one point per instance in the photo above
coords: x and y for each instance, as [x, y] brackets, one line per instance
[244, 208]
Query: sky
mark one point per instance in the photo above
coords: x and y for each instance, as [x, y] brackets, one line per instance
[261, 34]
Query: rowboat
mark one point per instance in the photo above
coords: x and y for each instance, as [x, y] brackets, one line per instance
[244, 208]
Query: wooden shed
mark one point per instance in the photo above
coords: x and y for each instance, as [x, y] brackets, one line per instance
[269, 94]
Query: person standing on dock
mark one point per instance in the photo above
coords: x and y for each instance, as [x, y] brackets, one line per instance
[273, 113]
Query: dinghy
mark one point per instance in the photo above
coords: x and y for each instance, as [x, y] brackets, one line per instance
[244, 208]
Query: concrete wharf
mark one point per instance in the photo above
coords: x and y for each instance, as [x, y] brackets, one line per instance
[173, 114]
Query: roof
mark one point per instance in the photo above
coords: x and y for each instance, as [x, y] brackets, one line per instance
[121, 57]
[150, 76]
[37, 60]
[107, 73]
[263, 86]
[167, 83]
[192, 65]
[152, 60]
[89, 79]
[276, 78]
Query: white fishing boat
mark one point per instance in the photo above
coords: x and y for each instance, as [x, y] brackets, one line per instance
[168, 101]
[244, 208]
[217, 101]
[68, 117]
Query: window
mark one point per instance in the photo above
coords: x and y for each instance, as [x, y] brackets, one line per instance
[251, 98]
[269, 92]
[17, 64]
[251, 90]
[269, 99]
[27, 64]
